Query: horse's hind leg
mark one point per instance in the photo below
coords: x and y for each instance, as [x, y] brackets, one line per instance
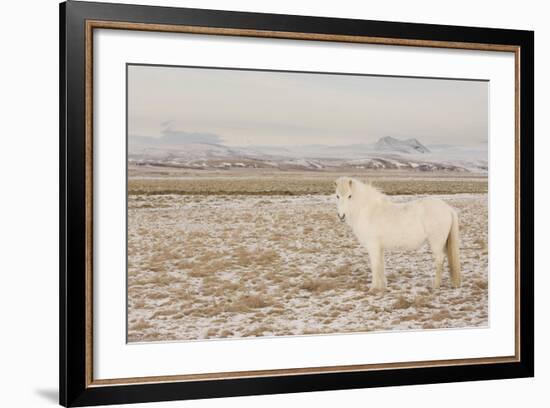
[438, 251]
[439, 258]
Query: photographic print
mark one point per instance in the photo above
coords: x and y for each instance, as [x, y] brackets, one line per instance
[260, 203]
[273, 203]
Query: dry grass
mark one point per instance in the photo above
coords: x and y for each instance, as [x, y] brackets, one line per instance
[402, 303]
[248, 302]
[291, 185]
[318, 286]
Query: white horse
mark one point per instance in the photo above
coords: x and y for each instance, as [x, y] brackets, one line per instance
[379, 224]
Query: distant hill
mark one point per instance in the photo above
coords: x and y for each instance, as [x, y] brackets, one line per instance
[207, 151]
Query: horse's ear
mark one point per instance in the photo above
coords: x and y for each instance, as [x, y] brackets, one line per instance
[350, 183]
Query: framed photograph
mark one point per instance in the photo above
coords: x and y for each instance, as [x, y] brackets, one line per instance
[256, 203]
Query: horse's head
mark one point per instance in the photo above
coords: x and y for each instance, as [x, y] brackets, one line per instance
[344, 196]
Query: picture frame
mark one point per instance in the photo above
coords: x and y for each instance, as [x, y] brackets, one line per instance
[79, 21]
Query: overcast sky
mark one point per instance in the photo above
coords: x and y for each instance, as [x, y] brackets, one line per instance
[275, 108]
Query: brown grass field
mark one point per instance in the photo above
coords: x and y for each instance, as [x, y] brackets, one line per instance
[228, 255]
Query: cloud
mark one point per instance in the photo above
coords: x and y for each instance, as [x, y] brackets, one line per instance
[295, 108]
[176, 137]
[167, 124]
[170, 136]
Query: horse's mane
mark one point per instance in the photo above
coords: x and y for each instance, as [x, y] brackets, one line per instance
[369, 191]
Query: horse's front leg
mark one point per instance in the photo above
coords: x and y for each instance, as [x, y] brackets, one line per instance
[376, 256]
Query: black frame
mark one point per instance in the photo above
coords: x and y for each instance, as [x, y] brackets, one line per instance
[72, 310]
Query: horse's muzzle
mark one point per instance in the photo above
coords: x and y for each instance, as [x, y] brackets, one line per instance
[342, 217]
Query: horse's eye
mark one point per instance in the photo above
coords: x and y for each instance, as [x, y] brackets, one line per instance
[337, 196]
[349, 196]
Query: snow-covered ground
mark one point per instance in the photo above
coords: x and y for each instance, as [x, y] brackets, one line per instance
[216, 266]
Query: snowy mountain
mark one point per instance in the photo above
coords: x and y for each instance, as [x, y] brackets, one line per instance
[391, 144]
[203, 151]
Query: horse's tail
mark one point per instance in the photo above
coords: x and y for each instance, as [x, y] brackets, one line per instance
[453, 242]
